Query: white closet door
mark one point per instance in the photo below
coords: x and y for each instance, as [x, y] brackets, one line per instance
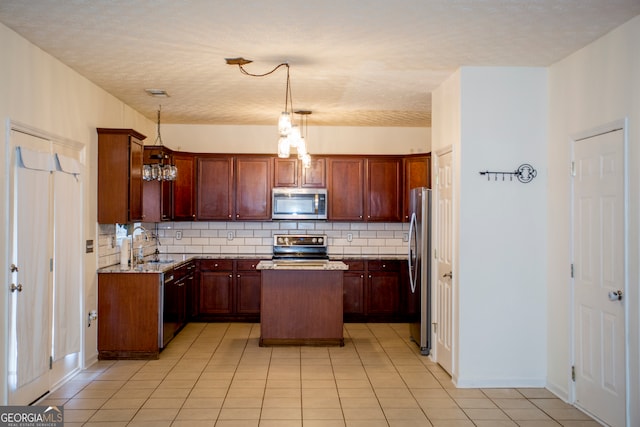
[67, 217]
[30, 312]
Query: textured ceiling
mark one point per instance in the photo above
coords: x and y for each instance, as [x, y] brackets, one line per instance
[352, 62]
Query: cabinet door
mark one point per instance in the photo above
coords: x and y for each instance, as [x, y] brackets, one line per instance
[215, 190]
[248, 291]
[285, 172]
[353, 292]
[417, 173]
[384, 189]
[383, 291]
[135, 180]
[253, 188]
[183, 193]
[315, 176]
[216, 292]
[346, 189]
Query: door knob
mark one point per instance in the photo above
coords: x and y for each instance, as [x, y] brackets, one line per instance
[615, 295]
[449, 275]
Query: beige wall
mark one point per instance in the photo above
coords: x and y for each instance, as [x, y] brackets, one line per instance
[591, 88]
[320, 140]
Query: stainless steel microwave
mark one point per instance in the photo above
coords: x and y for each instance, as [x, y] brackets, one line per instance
[299, 203]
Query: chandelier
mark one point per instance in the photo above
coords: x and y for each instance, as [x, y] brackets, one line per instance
[291, 137]
[159, 171]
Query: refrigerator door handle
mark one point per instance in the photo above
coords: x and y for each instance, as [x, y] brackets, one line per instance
[410, 256]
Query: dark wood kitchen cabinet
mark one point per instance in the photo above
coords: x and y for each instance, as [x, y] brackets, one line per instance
[384, 189]
[290, 173]
[417, 173]
[383, 287]
[128, 315]
[157, 202]
[373, 291]
[248, 282]
[184, 187]
[228, 289]
[345, 190]
[120, 158]
[215, 279]
[353, 291]
[214, 188]
[254, 180]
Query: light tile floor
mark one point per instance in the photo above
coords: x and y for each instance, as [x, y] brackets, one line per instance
[215, 374]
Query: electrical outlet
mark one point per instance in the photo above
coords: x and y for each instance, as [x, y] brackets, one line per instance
[179, 235]
[349, 237]
[405, 237]
[230, 235]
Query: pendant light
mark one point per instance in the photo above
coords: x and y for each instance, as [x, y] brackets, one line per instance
[290, 134]
[159, 171]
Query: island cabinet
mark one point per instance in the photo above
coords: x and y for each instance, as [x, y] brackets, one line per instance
[374, 291]
[120, 159]
[301, 307]
[184, 187]
[417, 173]
[129, 315]
[228, 289]
[290, 172]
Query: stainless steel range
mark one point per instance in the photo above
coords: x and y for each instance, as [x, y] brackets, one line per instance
[300, 249]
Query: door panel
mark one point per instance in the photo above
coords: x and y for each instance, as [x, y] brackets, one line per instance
[598, 243]
[444, 280]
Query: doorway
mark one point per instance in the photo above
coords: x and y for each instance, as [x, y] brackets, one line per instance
[600, 275]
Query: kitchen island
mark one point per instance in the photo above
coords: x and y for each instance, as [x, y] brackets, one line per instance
[301, 304]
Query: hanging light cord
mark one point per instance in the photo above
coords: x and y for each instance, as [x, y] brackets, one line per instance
[288, 99]
[159, 137]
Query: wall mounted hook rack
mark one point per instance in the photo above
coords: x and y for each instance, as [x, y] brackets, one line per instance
[525, 173]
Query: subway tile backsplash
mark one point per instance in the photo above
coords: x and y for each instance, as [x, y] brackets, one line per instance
[249, 238]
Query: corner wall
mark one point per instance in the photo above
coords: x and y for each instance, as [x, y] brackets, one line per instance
[596, 85]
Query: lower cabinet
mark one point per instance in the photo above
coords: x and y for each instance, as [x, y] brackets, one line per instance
[374, 291]
[228, 290]
[129, 319]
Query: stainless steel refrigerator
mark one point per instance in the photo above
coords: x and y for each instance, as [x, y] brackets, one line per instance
[420, 267]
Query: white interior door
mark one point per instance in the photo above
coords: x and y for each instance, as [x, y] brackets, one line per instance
[599, 275]
[443, 328]
[30, 255]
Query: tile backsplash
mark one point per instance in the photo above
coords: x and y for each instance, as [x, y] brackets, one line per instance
[249, 238]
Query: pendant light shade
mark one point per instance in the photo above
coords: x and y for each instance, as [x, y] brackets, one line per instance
[284, 150]
[284, 123]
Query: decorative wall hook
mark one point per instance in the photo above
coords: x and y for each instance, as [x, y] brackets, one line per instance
[525, 173]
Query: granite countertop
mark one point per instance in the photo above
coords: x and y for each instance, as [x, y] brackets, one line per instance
[302, 265]
[169, 261]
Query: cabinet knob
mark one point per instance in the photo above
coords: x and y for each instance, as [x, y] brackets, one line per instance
[237, 215]
[215, 265]
[193, 216]
[384, 265]
[231, 276]
[229, 215]
[369, 276]
[238, 276]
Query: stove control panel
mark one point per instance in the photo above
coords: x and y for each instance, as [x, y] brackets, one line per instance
[300, 240]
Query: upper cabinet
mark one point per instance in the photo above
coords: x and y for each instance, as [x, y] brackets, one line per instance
[417, 173]
[345, 190]
[184, 187]
[234, 188]
[384, 189]
[214, 199]
[290, 173]
[365, 189]
[120, 159]
[254, 181]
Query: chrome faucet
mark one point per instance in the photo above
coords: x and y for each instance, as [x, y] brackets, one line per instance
[146, 238]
